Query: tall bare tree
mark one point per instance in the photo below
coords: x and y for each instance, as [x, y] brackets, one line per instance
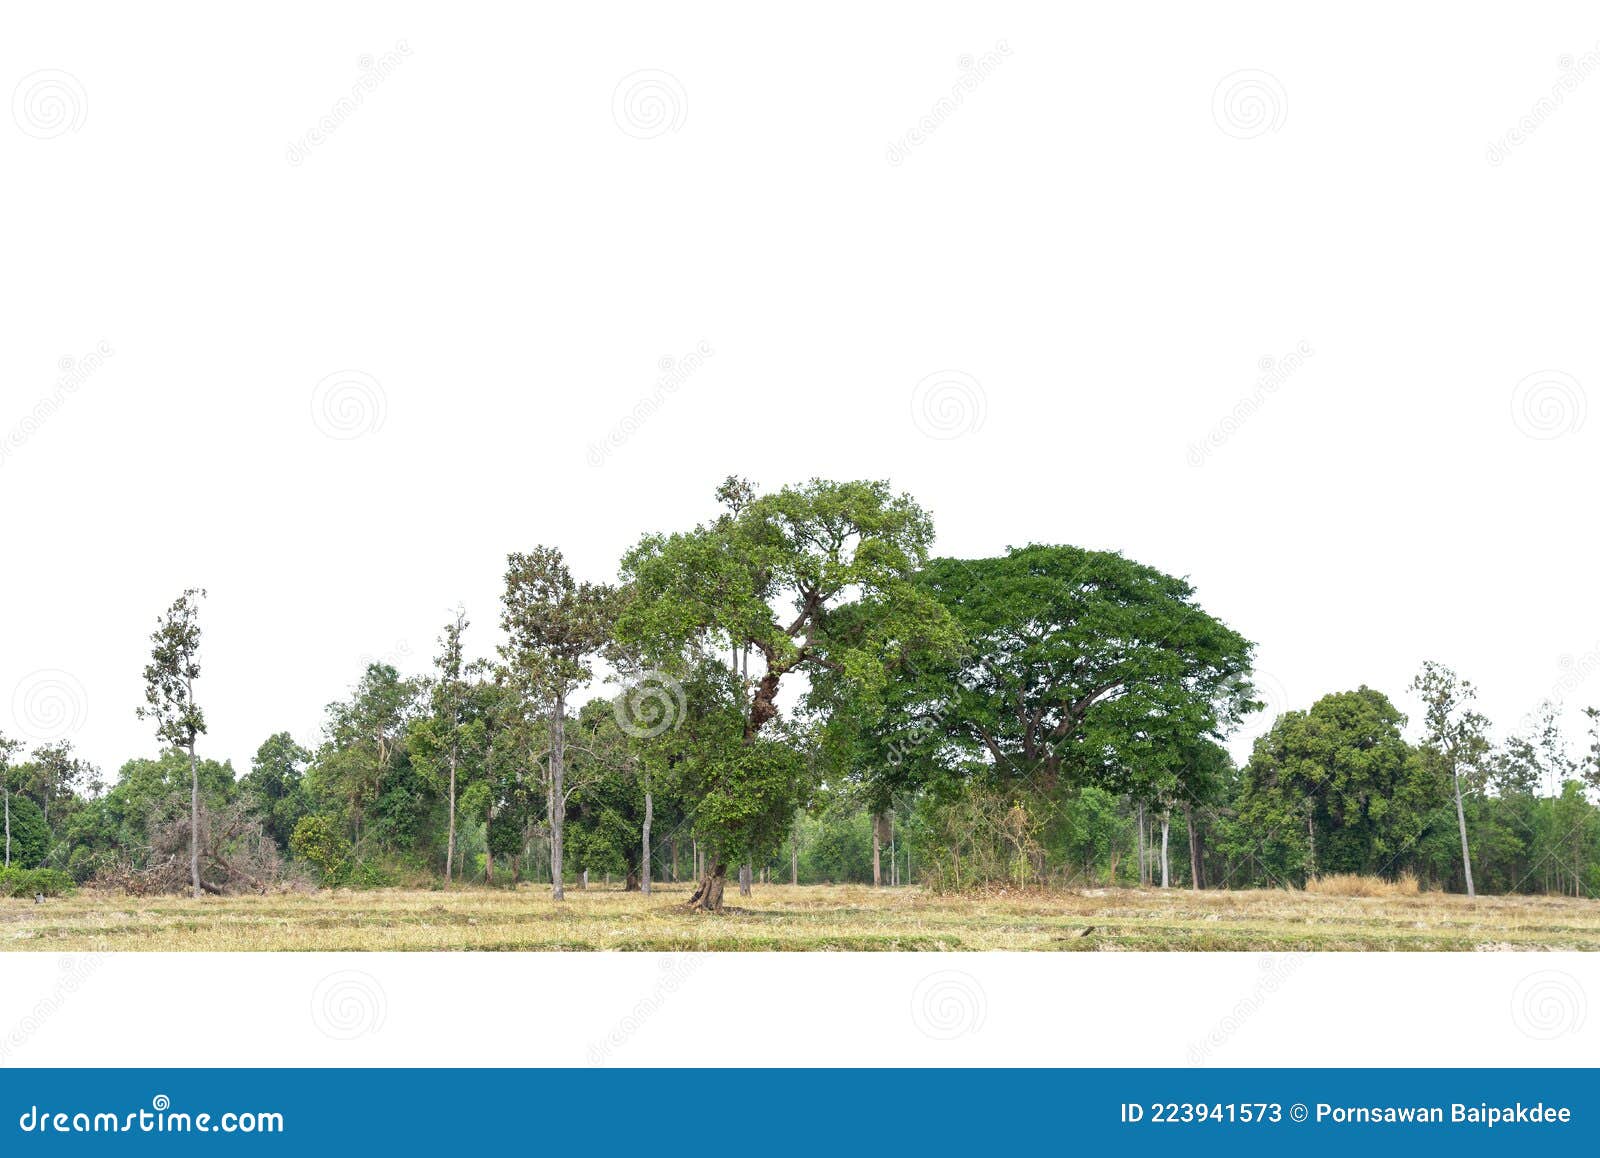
[1456, 737]
[169, 699]
[449, 695]
[7, 747]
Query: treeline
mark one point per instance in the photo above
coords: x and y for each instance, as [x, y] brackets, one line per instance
[795, 689]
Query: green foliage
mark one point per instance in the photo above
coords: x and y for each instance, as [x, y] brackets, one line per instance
[1078, 666]
[318, 842]
[30, 837]
[1336, 789]
[21, 882]
[274, 789]
[843, 558]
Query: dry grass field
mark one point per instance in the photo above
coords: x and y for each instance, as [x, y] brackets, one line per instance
[779, 917]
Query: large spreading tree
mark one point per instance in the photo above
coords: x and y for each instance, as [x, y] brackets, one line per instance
[813, 580]
[1077, 667]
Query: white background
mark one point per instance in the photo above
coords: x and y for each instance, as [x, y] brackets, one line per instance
[1093, 254]
[760, 1009]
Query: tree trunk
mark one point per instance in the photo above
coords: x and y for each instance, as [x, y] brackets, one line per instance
[1461, 822]
[194, 821]
[708, 897]
[744, 879]
[794, 860]
[1144, 874]
[1311, 837]
[1166, 863]
[450, 846]
[877, 851]
[1194, 848]
[488, 868]
[644, 867]
[558, 795]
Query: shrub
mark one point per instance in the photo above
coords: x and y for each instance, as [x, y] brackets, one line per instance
[318, 841]
[19, 882]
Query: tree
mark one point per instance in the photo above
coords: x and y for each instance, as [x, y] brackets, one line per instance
[169, 699]
[53, 775]
[1333, 789]
[555, 627]
[1077, 665]
[8, 748]
[364, 766]
[1455, 738]
[443, 736]
[273, 789]
[839, 559]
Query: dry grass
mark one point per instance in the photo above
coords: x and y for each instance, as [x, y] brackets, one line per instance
[1356, 885]
[806, 918]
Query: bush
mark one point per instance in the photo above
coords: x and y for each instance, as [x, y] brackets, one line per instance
[318, 841]
[18, 882]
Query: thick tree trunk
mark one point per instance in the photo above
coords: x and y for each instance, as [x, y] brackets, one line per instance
[708, 897]
[194, 822]
[644, 866]
[488, 868]
[558, 795]
[744, 879]
[1461, 822]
